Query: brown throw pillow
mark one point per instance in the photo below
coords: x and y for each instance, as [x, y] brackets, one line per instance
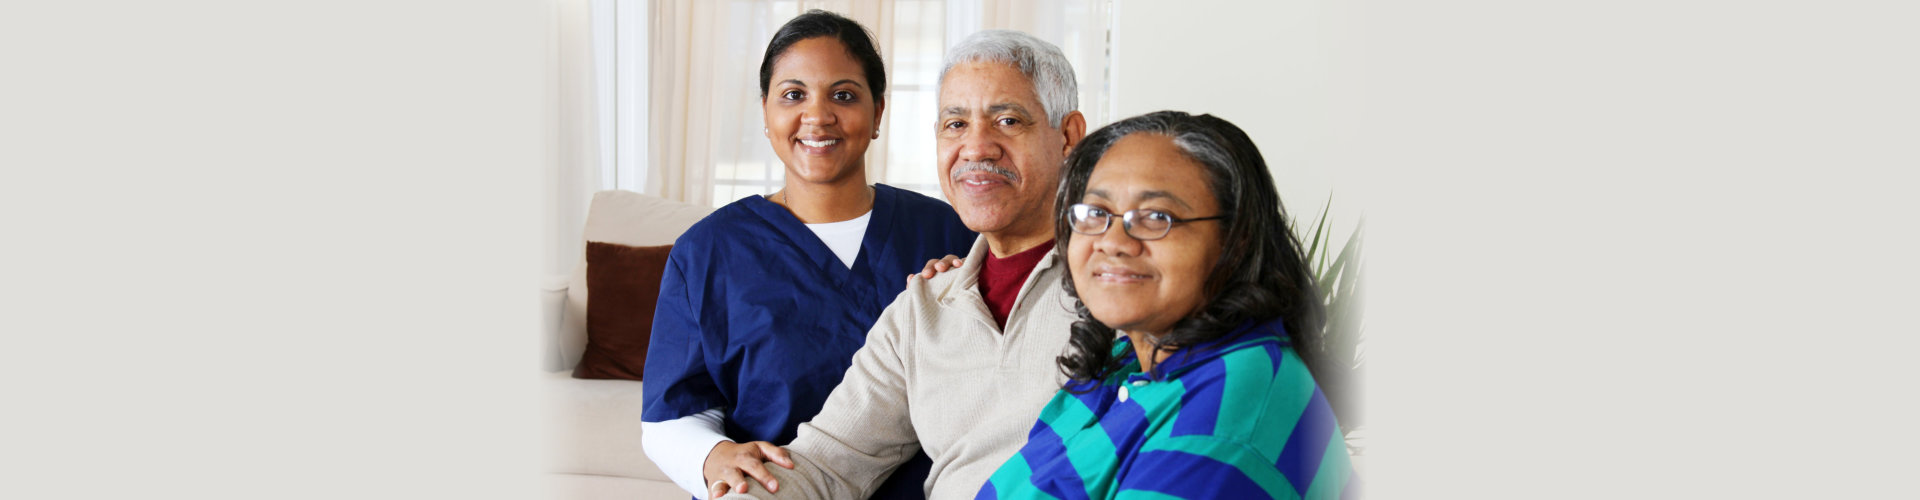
[623, 283]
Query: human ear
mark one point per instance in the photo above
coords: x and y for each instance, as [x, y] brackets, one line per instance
[1074, 127]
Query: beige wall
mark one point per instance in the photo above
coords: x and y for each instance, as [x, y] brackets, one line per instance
[1277, 69]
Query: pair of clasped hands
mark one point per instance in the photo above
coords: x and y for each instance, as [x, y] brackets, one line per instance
[729, 464]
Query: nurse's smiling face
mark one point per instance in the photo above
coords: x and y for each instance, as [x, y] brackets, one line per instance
[1146, 286]
[820, 113]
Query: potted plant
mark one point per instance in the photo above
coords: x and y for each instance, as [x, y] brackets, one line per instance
[1343, 335]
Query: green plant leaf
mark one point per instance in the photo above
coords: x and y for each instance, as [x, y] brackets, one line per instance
[1319, 227]
[1352, 254]
[1342, 331]
[1331, 284]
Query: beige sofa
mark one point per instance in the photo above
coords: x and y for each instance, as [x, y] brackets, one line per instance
[593, 426]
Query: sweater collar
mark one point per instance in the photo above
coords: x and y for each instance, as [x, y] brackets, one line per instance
[1188, 357]
[968, 274]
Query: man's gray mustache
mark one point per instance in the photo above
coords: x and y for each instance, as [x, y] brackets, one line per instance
[983, 166]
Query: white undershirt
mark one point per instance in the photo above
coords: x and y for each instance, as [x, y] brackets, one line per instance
[680, 446]
[844, 237]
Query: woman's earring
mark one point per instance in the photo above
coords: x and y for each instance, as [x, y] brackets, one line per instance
[876, 134]
[764, 131]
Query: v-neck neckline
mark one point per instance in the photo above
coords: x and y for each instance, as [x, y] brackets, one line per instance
[817, 253]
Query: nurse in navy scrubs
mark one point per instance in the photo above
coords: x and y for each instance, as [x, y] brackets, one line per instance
[764, 302]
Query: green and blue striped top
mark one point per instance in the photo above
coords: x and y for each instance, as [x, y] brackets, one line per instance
[1236, 417]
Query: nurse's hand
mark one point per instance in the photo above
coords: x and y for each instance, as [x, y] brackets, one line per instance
[729, 464]
[937, 266]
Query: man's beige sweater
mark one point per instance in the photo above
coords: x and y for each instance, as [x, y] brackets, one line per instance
[936, 373]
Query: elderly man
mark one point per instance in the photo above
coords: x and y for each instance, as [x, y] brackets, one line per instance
[960, 365]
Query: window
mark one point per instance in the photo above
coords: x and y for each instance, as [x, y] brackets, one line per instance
[680, 112]
[919, 46]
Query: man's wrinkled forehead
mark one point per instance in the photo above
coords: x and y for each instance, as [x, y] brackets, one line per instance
[1017, 88]
[1009, 107]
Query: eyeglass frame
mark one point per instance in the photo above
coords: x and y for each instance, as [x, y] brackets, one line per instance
[1126, 221]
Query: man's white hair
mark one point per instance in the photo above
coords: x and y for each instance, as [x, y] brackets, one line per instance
[1043, 64]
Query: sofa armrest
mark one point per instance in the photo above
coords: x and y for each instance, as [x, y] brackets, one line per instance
[553, 341]
[594, 428]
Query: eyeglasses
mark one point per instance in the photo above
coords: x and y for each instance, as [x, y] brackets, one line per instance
[1141, 224]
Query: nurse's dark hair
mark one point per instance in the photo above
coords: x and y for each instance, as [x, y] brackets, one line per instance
[818, 23]
[1261, 274]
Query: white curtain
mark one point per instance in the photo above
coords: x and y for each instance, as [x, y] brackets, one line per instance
[705, 94]
[705, 61]
[1079, 27]
[577, 171]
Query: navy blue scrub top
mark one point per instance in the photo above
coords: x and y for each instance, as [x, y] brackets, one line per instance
[758, 316]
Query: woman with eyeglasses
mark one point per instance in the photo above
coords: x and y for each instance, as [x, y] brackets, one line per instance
[1187, 377]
